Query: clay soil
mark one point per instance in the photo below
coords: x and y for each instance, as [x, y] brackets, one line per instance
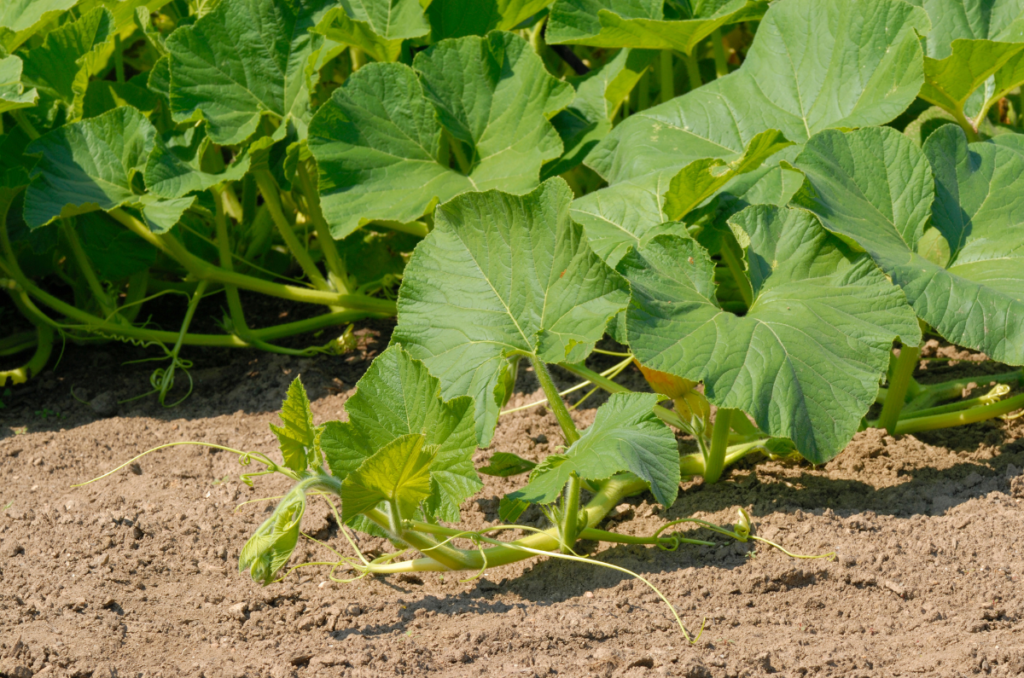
[136, 575]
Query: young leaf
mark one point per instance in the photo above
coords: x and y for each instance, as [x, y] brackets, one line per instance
[643, 23]
[815, 64]
[399, 473]
[975, 54]
[174, 167]
[875, 187]
[806, 359]
[398, 397]
[626, 436]
[379, 144]
[298, 435]
[270, 547]
[459, 18]
[506, 465]
[243, 60]
[61, 66]
[12, 93]
[503, 275]
[377, 27]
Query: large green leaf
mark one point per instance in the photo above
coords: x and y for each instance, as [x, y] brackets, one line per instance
[61, 66]
[298, 435]
[23, 18]
[94, 164]
[626, 437]
[503, 275]
[599, 95]
[381, 145]
[877, 188]
[815, 64]
[459, 18]
[644, 23]
[12, 93]
[88, 165]
[975, 53]
[805, 360]
[242, 61]
[377, 27]
[397, 397]
[399, 473]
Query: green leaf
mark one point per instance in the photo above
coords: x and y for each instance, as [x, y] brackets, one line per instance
[805, 360]
[270, 547]
[506, 465]
[88, 165]
[60, 68]
[377, 27]
[626, 436]
[174, 167]
[460, 18]
[24, 18]
[244, 60]
[381, 143]
[701, 179]
[878, 189]
[815, 64]
[599, 95]
[975, 53]
[115, 252]
[397, 397]
[642, 23]
[399, 473]
[298, 435]
[503, 275]
[12, 93]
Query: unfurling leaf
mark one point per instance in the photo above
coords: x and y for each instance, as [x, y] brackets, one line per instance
[506, 465]
[398, 397]
[398, 473]
[298, 435]
[270, 547]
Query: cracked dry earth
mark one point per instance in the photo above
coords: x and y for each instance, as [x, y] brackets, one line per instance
[136, 575]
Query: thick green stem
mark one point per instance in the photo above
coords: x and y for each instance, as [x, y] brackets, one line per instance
[18, 342]
[899, 382]
[444, 556]
[612, 492]
[693, 464]
[968, 127]
[961, 418]
[571, 502]
[693, 70]
[555, 401]
[666, 76]
[714, 462]
[85, 266]
[335, 266]
[643, 98]
[412, 228]
[23, 122]
[239, 326]
[271, 198]
[947, 390]
[201, 269]
[358, 58]
[718, 47]
[952, 407]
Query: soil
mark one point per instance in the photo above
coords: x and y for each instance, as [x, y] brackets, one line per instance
[136, 575]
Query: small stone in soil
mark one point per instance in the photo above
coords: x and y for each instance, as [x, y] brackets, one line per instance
[104, 405]
[12, 548]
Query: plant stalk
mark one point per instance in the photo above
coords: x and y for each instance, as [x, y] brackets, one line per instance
[693, 70]
[718, 47]
[666, 76]
[899, 382]
[714, 462]
[335, 266]
[971, 416]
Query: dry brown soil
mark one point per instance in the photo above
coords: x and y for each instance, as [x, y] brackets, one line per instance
[136, 575]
